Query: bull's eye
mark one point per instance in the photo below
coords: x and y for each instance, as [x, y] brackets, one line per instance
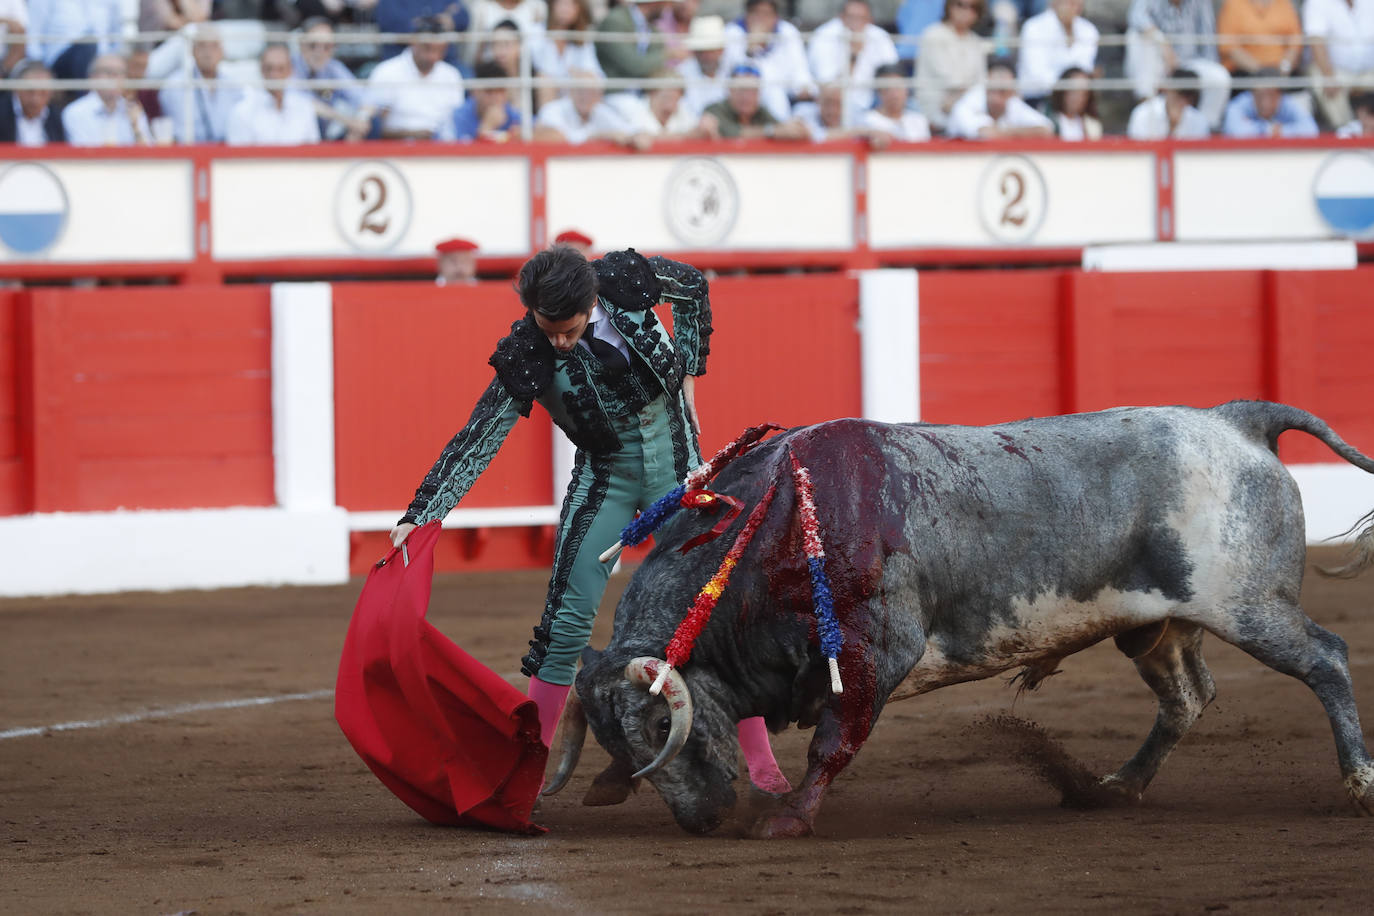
[664, 726]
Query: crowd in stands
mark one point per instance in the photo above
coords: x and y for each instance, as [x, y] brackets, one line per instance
[643, 72]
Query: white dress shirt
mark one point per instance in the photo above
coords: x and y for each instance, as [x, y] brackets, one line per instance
[1349, 31]
[528, 15]
[561, 114]
[200, 115]
[89, 123]
[1046, 52]
[72, 19]
[635, 110]
[30, 132]
[257, 121]
[547, 60]
[702, 91]
[829, 59]
[604, 330]
[1150, 121]
[911, 126]
[17, 10]
[414, 101]
[970, 115]
[782, 66]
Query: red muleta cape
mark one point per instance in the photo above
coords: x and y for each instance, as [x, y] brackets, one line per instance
[444, 732]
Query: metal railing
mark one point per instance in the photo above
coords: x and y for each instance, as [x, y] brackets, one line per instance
[527, 82]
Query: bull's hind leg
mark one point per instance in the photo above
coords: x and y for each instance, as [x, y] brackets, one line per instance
[1172, 665]
[1281, 636]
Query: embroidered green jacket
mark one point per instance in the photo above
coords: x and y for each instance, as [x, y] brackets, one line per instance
[578, 397]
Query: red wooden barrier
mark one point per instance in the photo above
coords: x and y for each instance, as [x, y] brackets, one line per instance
[143, 398]
[13, 488]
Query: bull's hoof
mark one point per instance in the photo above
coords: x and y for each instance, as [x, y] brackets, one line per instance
[602, 793]
[1108, 792]
[612, 785]
[781, 826]
[1360, 785]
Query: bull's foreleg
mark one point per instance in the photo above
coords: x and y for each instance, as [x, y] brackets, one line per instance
[1172, 666]
[837, 739]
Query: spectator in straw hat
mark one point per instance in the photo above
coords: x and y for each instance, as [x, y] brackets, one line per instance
[703, 75]
[457, 262]
[575, 238]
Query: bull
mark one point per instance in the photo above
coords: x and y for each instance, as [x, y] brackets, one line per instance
[956, 553]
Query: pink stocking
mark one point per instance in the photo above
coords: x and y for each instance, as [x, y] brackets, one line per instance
[549, 698]
[758, 754]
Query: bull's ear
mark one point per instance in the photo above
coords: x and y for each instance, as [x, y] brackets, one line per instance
[590, 655]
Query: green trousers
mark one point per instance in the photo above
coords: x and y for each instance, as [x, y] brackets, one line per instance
[603, 496]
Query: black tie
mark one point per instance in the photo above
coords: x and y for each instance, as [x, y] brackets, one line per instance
[608, 354]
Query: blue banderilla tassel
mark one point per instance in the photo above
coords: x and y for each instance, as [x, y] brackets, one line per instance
[648, 521]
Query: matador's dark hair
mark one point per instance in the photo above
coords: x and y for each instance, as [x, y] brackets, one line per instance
[558, 283]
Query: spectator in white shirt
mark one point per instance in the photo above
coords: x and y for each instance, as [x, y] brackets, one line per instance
[1342, 37]
[202, 114]
[26, 117]
[994, 110]
[1164, 35]
[554, 58]
[1051, 43]
[826, 119]
[659, 113]
[1363, 124]
[893, 115]
[952, 60]
[416, 91]
[1073, 107]
[69, 20]
[1171, 114]
[14, 22]
[850, 45]
[274, 115]
[773, 47]
[581, 114]
[706, 80]
[103, 116]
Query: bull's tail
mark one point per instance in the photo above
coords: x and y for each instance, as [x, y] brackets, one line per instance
[1266, 420]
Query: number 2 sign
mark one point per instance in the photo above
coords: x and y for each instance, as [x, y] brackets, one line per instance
[372, 206]
[1012, 199]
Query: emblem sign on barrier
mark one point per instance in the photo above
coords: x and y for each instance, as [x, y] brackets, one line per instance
[372, 206]
[1344, 192]
[1012, 199]
[33, 208]
[700, 202]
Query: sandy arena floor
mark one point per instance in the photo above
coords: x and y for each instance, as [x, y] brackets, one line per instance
[265, 809]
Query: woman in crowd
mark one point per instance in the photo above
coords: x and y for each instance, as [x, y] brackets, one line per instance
[952, 60]
[554, 56]
[1073, 107]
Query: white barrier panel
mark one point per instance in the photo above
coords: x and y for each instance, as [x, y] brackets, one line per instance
[1233, 195]
[890, 345]
[96, 211]
[1336, 254]
[94, 552]
[696, 203]
[352, 208]
[972, 199]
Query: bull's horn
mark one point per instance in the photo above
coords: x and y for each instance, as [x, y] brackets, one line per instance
[642, 672]
[570, 749]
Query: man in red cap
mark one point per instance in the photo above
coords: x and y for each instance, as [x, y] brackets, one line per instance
[457, 262]
[575, 239]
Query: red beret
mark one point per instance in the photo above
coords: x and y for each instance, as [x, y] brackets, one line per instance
[572, 237]
[455, 244]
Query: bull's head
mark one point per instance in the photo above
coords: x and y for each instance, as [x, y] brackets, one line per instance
[682, 740]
